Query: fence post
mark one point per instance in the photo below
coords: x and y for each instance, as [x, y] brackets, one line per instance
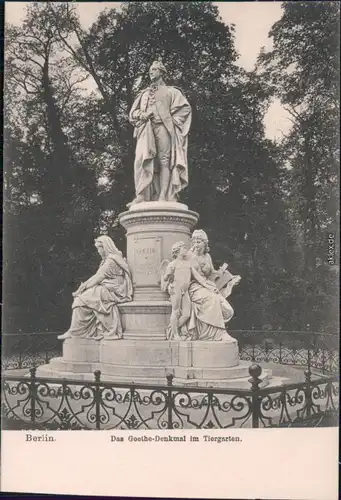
[170, 400]
[97, 375]
[253, 343]
[323, 360]
[47, 357]
[20, 354]
[280, 352]
[280, 344]
[322, 345]
[33, 393]
[255, 371]
[309, 361]
[308, 392]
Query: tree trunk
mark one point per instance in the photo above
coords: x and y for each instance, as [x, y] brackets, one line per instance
[59, 170]
[309, 194]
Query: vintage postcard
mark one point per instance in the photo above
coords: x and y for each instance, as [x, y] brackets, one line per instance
[171, 249]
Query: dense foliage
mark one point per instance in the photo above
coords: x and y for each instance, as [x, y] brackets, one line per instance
[70, 151]
[304, 69]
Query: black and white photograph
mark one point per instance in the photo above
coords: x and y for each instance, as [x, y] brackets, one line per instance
[171, 216]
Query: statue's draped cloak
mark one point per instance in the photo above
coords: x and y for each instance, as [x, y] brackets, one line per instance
[209, 310]
[175, 114]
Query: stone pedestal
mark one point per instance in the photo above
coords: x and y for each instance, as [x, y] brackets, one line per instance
[145, 320]
[200, 363]
[152, 228]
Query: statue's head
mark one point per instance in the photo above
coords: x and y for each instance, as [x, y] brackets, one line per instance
[200, 241]
[157, 70]
[179, 248]
[106, 246]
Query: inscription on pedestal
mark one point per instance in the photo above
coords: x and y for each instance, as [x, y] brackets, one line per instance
[147, 261]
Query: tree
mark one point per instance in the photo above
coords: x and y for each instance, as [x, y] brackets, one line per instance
[304, 69]
[49, 192]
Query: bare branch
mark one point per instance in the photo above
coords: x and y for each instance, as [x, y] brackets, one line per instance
[27, 58]
[293, 113]
[87, 63]
[36, 47]
[63, 38]
[23, 85]
[26, 74]
[71, 88]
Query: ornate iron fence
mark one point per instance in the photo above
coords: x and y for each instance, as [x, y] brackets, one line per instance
[45, 403]
[29, 402]
[308, 349]
[26, 350]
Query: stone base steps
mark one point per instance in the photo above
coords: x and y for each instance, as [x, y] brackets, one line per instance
[235, 377]
[132, 371]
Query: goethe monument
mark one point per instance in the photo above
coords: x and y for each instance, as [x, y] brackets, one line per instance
[163, 309]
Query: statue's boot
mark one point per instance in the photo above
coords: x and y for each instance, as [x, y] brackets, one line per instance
[66, 335]
[228, 337]
[139, 199]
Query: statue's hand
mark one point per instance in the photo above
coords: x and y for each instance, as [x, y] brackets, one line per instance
[212, 287]
[80, 290]
[145, 116]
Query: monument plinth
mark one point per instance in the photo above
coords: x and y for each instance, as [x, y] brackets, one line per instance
[152, 228]
[195, 364]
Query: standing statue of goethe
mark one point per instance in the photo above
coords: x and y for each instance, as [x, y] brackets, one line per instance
[161, 116]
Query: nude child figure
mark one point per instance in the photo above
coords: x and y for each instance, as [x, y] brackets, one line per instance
[176, 280]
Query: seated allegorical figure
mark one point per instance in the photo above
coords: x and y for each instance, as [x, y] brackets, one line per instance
[95, 314]
[210, 310]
